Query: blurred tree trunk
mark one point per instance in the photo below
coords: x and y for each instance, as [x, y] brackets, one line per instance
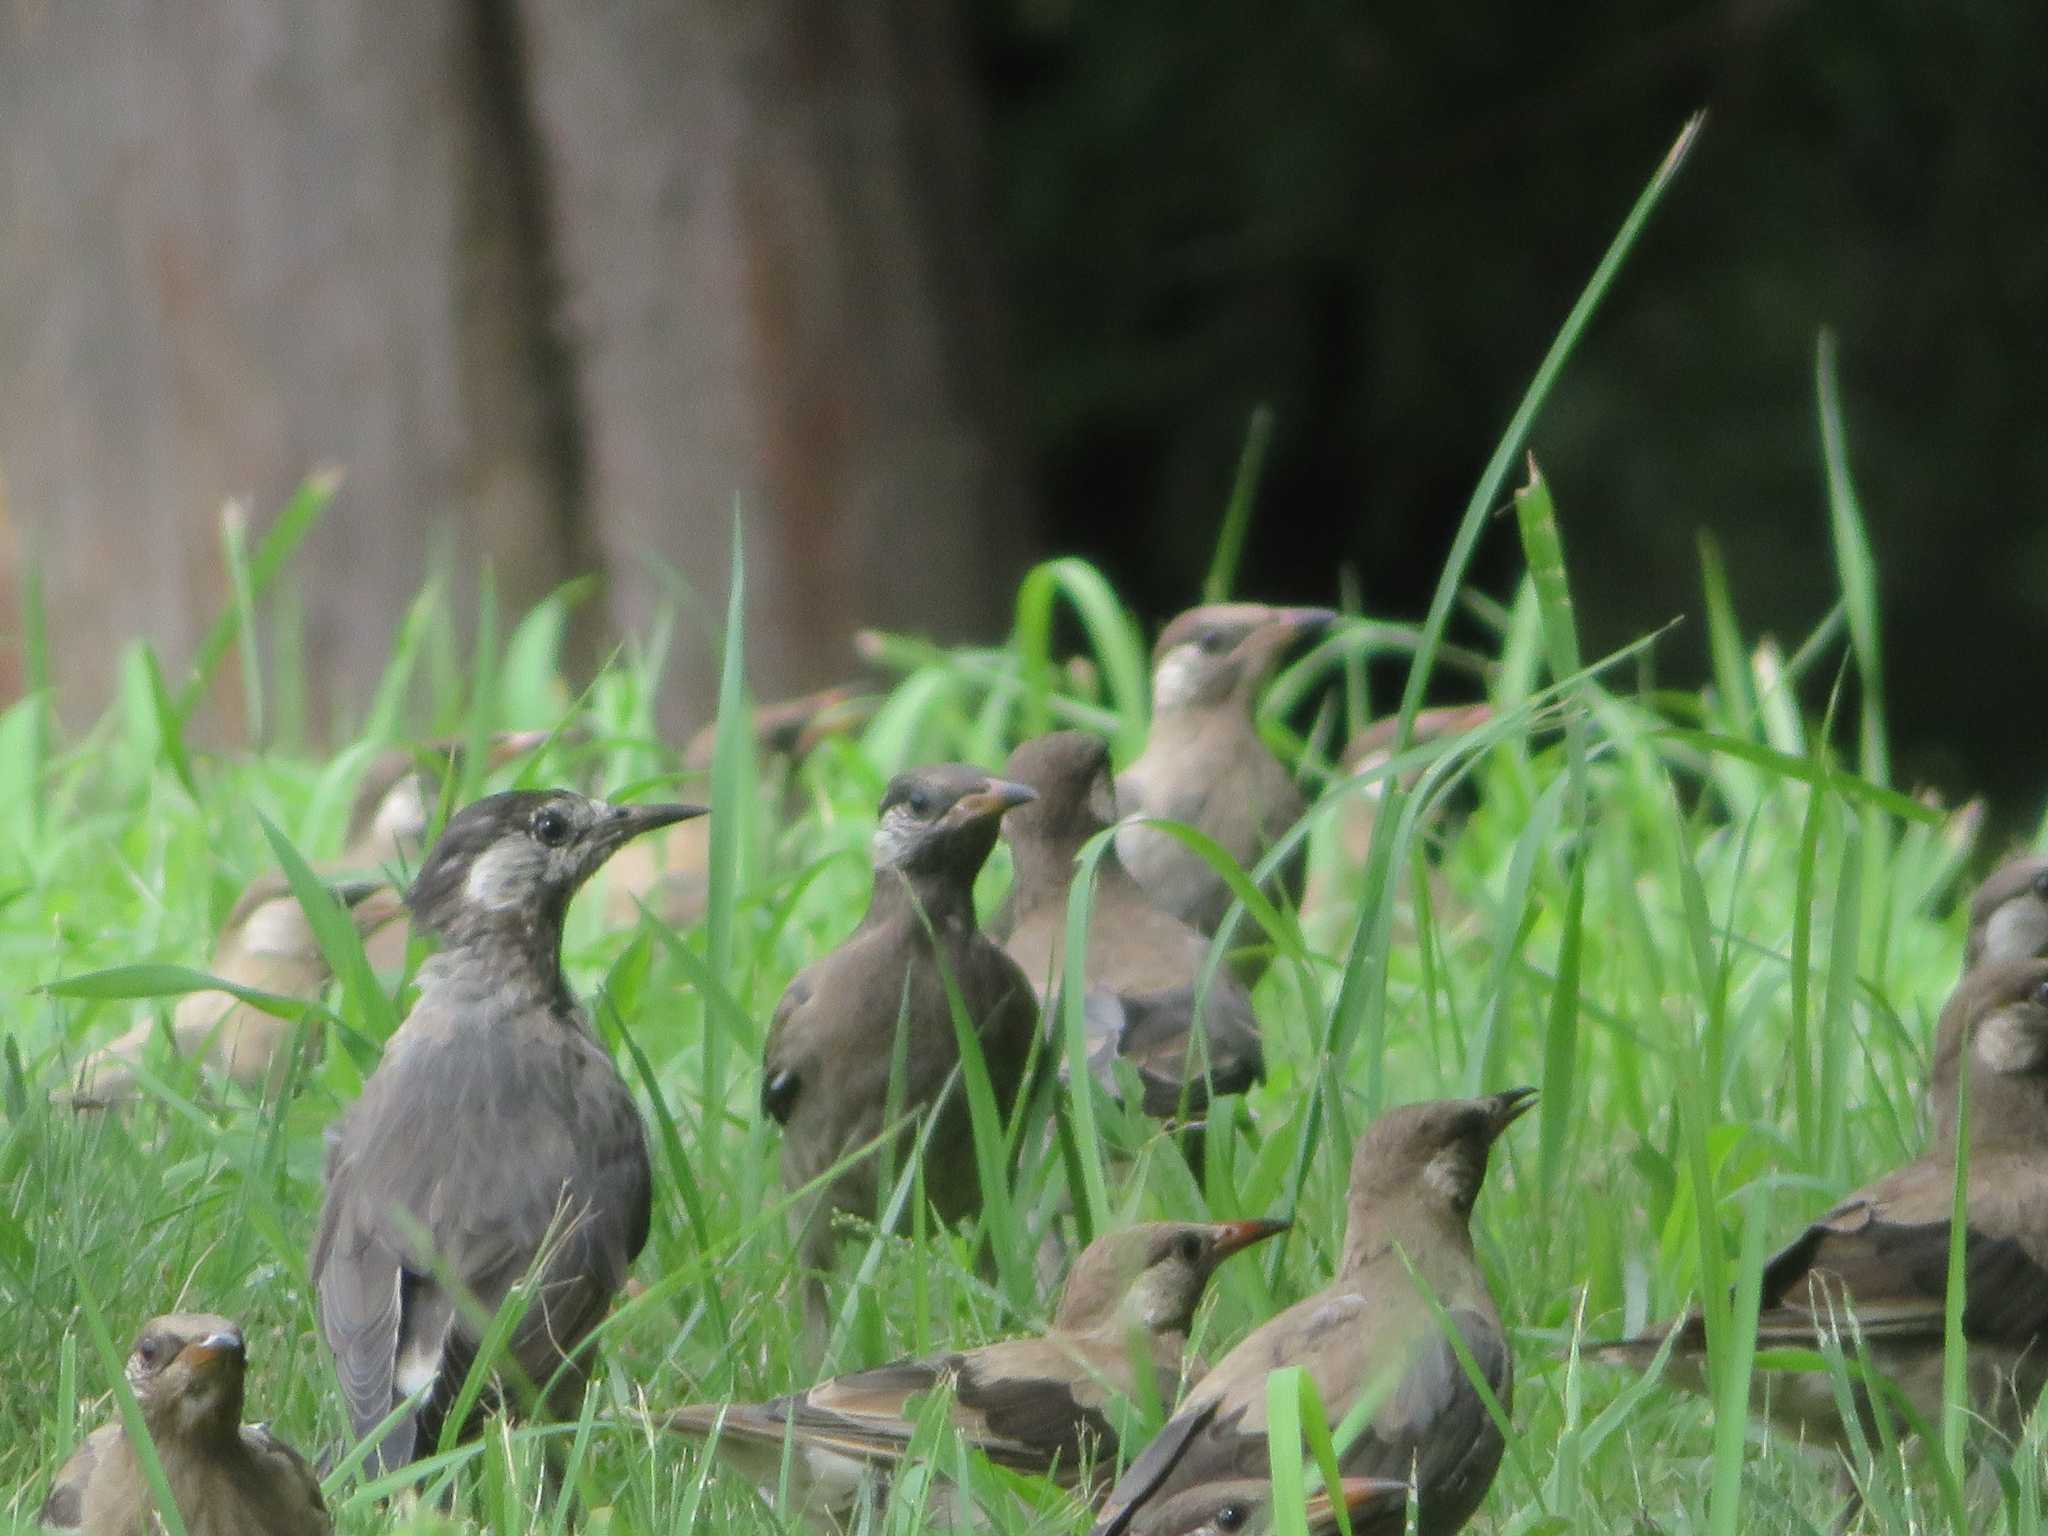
[781, 286]
[553, 288]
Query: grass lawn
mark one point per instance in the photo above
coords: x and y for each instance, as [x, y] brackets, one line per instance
[1699, 918]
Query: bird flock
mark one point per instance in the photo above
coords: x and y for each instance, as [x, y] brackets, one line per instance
[488, 1193]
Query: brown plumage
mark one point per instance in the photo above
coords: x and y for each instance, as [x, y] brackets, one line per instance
[1204, 762]
[228, 1478]
[1414, 1177]
[1044, 1404]
[495, 1138]
[833, 1043]
[1244, 1507]
[2009, 914]
[1877, 1263]
[266, 945]
[1143, 1003]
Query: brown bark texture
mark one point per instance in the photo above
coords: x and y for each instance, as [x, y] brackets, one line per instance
[557, 285]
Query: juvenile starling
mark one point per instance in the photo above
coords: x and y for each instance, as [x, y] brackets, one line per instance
[1204, 762]
[495, 1138]
[1414, 1178]
[266, 945]
[1244, 1507]
[1042, 1404]
[1876, 1266]
[1143, 964]
[2009, 914]
[833, 1046]
[228, 1478]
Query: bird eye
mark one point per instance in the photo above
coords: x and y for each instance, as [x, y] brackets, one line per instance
[150, 1352]
[2041, 995]
[919, 801]
[1213, 642]
[2041, 885]
[1230, 1517]
[550, 827]
[1191, 1248]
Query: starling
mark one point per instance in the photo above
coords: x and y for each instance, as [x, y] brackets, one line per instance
[1042, 1404]
[1875, 1267]
[495, 1138]
[2009, 914]
[228, 1478]
[1244, 1507]
[1414, 1178]
[266, 945]
[1145, 1005]
[1204, 762]
[833, 1045]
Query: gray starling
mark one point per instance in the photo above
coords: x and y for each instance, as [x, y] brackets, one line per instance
[833, 1043]
[1876, 1266]
[1041, 1404]
[496, 1137]
[1414, 1178]
[1204, 762]
[228, 1478]
[1143, 964]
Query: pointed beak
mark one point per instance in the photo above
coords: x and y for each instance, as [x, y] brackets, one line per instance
[1001, 795]
[1283, 628]
[1305, 623]
[1509, 1107]
[1364, 1498]
[627, 822]
[205, 1353]
[1236, 1236]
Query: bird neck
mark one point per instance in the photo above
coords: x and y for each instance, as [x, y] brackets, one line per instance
[938, 898]
[213, 1424]
[519, 950]
[1435, 1240]
[1044, 868]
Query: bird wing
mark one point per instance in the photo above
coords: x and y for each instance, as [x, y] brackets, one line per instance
[1883, 1253]
[780, 1082]
[64, 1509]
[294, 1489]
[496, 1153]
[1433, 1425]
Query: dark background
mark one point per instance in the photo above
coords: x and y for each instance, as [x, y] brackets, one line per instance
[1376, 222]
[985, 283]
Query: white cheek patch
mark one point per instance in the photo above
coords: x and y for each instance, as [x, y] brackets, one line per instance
[277, 928]
[1446, 1175]
[507, 870]
[402, 814]
[2005, 1044]
[2017, 931]
[893, 838]
[1178, 679]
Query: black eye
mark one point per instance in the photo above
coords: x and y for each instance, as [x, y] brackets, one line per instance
[2041, 995]
[1213, 642]
[919, 801]
[151, 1352]
[550, 827]
[1230, 1517]
[2041, 885]
[1191, 1248]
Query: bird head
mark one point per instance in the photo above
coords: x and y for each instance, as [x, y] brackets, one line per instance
[1996, 1027]
[1226, 651]
[1152, 1276]
[1429, 1158]
[186, 1373]
[1069, 773]
[510, 861]
[394, 803]
[942, 821]
[2009, 914]
[1244, 1507]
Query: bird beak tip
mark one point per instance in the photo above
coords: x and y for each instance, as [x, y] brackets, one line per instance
[1240, 1235]
[1510, 1106]
[213, 1349]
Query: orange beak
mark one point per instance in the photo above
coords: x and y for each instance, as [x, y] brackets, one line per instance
[1236, 1236]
